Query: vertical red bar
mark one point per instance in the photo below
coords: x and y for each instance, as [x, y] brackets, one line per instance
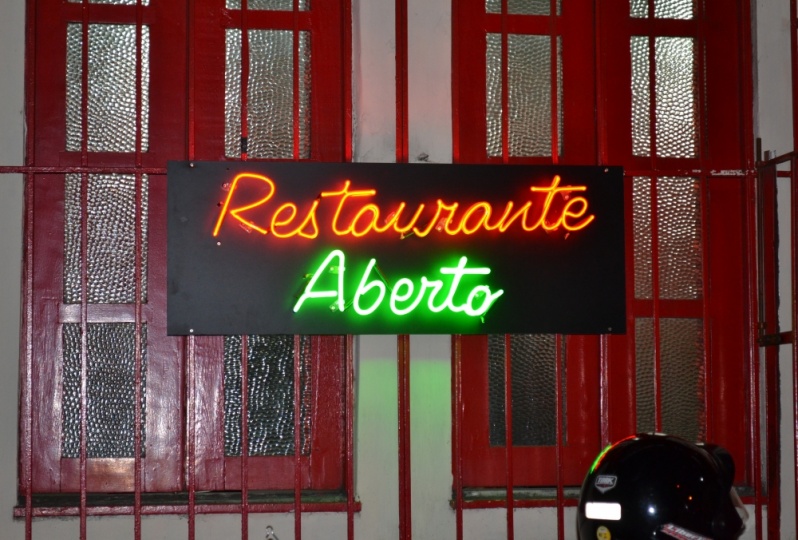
[244, 81]
[84, 179]
[346, 76]
[244, 436]
[753, 196]
[297, 427]
[138, 259]
[554, 87]
[349, 435]
[26, 355]
[794, 304]
[405, 491]
[558, 416]
[508, 423]
[505, 124]
[402, 136]
[295, 80]
[655, 294]
[457, 434]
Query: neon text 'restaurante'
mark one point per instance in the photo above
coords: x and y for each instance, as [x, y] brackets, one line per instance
[355, 213]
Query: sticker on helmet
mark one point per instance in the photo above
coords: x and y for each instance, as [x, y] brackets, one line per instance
[680, 533]
[604, 482]
[603, 533]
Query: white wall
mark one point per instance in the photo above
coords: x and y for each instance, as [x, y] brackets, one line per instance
[376, 425]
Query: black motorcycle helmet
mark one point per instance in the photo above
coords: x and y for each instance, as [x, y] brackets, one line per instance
[658, 486]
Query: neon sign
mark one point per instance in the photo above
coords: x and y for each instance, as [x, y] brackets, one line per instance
[364, 218]
[323, 248]
[405, 296]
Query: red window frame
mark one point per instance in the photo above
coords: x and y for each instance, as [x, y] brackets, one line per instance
[186, 121]
[597, 105]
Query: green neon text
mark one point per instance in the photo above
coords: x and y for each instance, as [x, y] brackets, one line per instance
[406, 295]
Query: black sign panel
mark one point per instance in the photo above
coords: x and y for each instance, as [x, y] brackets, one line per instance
[334, 248]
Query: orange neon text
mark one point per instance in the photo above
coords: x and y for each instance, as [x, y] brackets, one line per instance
[354, 213]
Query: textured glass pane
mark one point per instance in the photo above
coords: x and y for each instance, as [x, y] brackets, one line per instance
[679, 238]
[270, 395]
[534, 360]
[493, 93]
[641, 98]
[641, 203]
[111, 239]
[639, 8]
[110, 389]
[114, 2]
[644, 375]
[270, 91]
[673, 9]
[682, 375]
[111, 103]
[529, 59]
[522, 7]
[676, 87]
[272, 5]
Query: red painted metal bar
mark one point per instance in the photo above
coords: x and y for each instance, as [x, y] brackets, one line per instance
[138, 258]
[554, 69]
[26, 354]
[559, 422]
[505, 86]
[244, 80]
[405, 488]
[753, 194]
[298, 402]
[349, 435]
[245, 509]
[84, 266]
[655, 294]
[403, 340]
[457, 433]
[346, 76]
[189, 355]
[508, 432]
[794, 304]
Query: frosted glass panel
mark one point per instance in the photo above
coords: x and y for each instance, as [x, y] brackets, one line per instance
[682, 375]
[110, 389]
[641, 203]
[111, 239]
[272, 5]
[644, 375]
[530, 95]
[663, 9]
[270, 395]
[522, 7]
[112, 88]
[270, 91]
[676, 87]
[114, 2]
[641, 97]
[679, 243]
[534, 399]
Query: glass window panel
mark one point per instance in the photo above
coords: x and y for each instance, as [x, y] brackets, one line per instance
[111, 239]
[522, 7]
[534, 400]
[644, 375]
[270, 395]
[676, 87]
[673, 9]
[641, 97]
[679, 244]
[663, 9]
[270, 91]
[643, 271]
[110, 389]
[530, 95]
[639, 8]
[493, 93]
[270, 5]
[112, 88]
[682, 376]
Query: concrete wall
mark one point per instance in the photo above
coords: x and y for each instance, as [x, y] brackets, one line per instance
[376, 427]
